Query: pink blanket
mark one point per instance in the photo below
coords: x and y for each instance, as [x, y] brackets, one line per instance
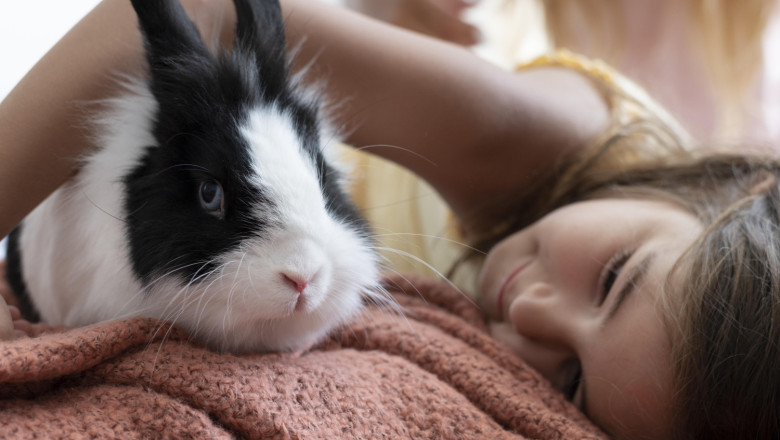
[433, 373]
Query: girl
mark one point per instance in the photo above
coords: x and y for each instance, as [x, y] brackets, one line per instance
[640, 279]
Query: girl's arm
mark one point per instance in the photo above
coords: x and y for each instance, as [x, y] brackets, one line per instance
[468, 128]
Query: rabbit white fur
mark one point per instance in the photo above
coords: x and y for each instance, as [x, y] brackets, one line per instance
[237, 229]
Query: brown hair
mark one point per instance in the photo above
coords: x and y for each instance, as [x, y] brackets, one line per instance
[728, 313]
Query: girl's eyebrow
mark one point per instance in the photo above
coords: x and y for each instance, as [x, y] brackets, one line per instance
[636, 276]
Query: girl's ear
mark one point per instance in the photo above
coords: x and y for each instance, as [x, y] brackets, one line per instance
[260, 32]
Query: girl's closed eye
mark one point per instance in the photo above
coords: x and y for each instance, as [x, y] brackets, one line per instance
[611, 272]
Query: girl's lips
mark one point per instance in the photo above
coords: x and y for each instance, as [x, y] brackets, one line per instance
[504, 286]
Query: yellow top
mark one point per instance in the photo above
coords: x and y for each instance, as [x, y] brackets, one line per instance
[629, 102]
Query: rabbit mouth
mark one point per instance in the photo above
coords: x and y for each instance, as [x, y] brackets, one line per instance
[245, 333]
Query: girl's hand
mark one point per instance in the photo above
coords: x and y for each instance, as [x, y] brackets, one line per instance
[437, 18]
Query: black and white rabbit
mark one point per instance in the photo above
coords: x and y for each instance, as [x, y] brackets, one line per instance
[210, 200]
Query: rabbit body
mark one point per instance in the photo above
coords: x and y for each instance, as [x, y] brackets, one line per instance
[211, 201]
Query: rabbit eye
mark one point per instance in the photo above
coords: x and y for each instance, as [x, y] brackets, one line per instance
[211, 197]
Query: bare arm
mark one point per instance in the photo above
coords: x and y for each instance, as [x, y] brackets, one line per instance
[481, 130]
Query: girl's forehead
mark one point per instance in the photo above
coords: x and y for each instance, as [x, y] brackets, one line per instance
[618, 214]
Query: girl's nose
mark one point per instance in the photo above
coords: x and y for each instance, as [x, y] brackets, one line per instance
[541, 314]
[546, 329]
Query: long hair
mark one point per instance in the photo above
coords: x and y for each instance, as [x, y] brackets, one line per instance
[727, 314]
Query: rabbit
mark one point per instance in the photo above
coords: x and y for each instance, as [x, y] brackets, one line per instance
[211, 200]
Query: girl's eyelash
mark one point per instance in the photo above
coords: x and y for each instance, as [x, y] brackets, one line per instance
[611, 271]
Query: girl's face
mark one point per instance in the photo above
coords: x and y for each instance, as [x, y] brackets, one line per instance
[577, 296]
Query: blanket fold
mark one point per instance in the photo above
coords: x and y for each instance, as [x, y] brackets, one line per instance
[431, 372]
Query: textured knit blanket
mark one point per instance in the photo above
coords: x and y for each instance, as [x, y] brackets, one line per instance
[432, 373]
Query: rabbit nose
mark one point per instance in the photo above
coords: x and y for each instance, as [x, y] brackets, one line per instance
[297, 281]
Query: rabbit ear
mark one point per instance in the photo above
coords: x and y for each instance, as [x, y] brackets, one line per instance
[174, 48]
[260, 31]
